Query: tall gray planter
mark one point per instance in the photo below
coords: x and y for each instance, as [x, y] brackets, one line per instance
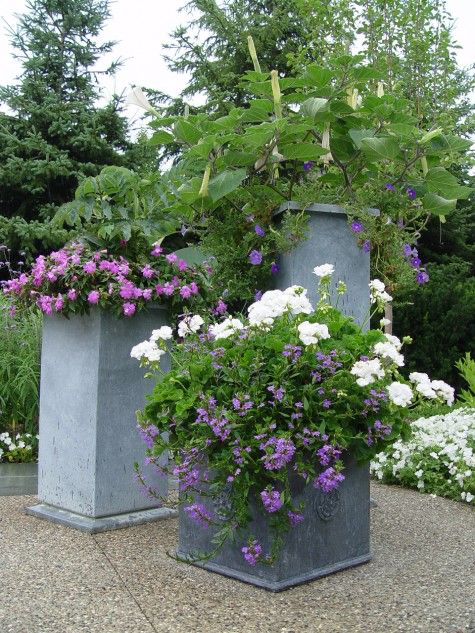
[90, 391]
[330, 241]
[333, 536]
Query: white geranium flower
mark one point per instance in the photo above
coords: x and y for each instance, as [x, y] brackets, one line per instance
[444, 391]
[418, 377]
[311, 333]
[325, 270]
[226, 328]
[395, 342]
[367, 371]
[147, 350]
[189, 325]
[378, 292]
[384, 322]
[164, 333]
[387, 350]
[274, 303]
[400, 394]
[426, 390]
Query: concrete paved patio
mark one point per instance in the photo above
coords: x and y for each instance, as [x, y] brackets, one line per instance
[56, 580]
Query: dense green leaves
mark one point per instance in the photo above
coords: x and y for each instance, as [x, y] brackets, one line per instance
[225, 183]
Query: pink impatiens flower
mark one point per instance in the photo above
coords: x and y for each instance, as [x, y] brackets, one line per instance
[72, 294]
[156, 250]
[59, 303]
[147, 294]
[148, 272]
[185, 292]
[90, 267]
[93, 297]
[129, 309]
[171, 259]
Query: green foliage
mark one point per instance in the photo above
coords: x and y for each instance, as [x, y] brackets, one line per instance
[439, 320]
[20, 341]
[255, 158]
[466, 367]
[54, 134]
[123, 211]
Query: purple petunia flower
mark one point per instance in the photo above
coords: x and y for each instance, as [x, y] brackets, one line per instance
[258, 295]
[422, 277]
[274, 268]
[308, 165]
[415, 262]
[411, 193]
[390, 187]
[259, 230]
[366, 246]
[255, 257]
[357, 227]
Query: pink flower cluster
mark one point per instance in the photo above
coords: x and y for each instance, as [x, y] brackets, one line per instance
[73, 278]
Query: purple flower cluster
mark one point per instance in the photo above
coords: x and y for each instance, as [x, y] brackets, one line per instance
[255, 257]
[271, 499]
[242, 406]
[148, 434]
[215, 419]
[279, 452]
[373, 403]
[187, 472]
[379, 431]
[252, 553]
[327, 365]
[295, 518]
[329, 480]
[292, 352]
[412, 256]
[277, 392]
[328, 454]
[199, 514]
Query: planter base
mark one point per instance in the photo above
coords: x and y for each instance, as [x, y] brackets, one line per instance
[99, 524]
[281, 585]
[18, 479]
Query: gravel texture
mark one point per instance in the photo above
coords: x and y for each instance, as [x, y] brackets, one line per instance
[56, 580]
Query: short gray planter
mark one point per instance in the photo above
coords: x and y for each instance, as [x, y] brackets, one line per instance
[18, 479]
[91, 390]
[333, 536]
[330, 241]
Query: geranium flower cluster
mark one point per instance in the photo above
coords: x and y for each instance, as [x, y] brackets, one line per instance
[291, 391]
[75, 278]
[19, 449]
[438, 459]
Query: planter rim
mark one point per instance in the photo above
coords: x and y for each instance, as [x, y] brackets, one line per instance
[15, 466]
[316, 207]
[153, 305]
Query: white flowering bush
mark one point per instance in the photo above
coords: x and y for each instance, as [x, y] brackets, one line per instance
[21, 448]
[438, 459]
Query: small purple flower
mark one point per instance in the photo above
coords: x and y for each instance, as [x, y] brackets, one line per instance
[329, 480]
[259, 231]
[357, 227]
[407, 250]
[274, 268]
[129, 309]
[422, 277]
[93, 297]
[271, 500]
[258, 295]
[390, 187]
[221, 307]
[185, 292]
[308, 165]
[411, 193]
[295, 518]
[252, 553]
[199, 514]
[366, 246]
[415, 262]
[90, 267]
[255, 257]
[326, 404]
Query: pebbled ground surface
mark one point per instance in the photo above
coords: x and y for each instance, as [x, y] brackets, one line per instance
[56, 580]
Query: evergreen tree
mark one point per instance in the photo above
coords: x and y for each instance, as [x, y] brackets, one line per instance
[52, 133]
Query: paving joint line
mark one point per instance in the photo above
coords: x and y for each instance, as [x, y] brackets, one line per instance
[116, 571]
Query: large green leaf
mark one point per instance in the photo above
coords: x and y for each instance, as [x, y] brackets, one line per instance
[313, 106]
[189, 191]
[357, 135]
[437, 205]
[187, 132]
[192, 255]
[161, 138]
[302, 151]
[226, 182]
[440, 181]
[381, 148]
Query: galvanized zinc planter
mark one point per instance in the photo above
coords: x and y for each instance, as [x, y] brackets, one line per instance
[18, 479]
[330, 241]
[90, 392]
[333, 536]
